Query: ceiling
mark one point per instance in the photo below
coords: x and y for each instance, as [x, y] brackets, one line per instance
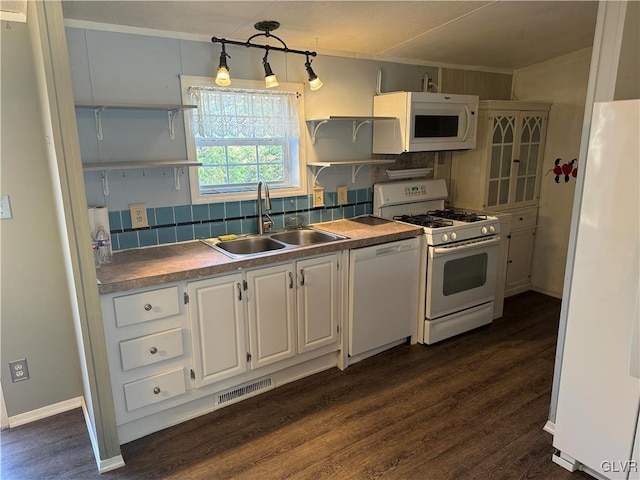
[500, 35]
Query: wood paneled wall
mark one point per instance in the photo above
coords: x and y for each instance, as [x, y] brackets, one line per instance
[487, 85]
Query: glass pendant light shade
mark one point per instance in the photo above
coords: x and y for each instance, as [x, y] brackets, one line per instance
[314, 81]
[222, 77]
[270, 79]
[315, 84]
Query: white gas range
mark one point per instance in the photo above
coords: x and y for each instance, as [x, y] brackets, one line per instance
[462, 255]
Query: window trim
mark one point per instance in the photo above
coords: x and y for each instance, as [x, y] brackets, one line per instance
[187, 81]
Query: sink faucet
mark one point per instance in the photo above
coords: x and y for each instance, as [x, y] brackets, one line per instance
[267, 205]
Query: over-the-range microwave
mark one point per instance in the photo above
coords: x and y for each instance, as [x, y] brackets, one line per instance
[424, 121]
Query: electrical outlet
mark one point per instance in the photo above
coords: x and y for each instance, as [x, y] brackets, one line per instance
[139, 215]
[342, 196]
[5, 206]
[19, 370]
[318, 197]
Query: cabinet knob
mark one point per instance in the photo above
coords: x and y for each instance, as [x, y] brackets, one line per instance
[147, 307]
[156, 390]
[516, 161]
[153, 350]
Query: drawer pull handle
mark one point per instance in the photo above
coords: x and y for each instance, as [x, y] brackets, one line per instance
[290, 280]
[153, 350]
[301, 277]
[156, 390]
[147, 307]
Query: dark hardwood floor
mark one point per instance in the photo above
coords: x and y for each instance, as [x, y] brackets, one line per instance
[471, 407]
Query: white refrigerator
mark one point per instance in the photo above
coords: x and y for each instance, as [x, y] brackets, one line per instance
[596, 383]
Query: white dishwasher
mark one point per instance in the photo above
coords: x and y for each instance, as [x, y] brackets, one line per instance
[384, 293]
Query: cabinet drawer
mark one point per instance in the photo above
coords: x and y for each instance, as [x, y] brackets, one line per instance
[523, 218]
[149, 349]
[145, 306]
[158, 388]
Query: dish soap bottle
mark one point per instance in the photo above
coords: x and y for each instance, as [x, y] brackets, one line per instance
[104, 246]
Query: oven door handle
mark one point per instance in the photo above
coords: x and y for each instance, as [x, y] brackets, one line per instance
[467, 246]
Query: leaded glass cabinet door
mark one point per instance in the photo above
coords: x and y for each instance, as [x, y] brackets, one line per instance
[528, 161]
[503, 144]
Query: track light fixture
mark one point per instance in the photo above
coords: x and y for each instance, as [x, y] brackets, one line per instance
[223, 78]
[314, 81]
[270, 79]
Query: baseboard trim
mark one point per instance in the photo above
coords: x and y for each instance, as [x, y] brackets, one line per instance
[45, 412]
[105, 465]
[550, 427]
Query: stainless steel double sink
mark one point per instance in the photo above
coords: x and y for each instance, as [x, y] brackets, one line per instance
[268, 242]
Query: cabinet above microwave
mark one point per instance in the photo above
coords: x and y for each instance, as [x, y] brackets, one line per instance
[424, 122]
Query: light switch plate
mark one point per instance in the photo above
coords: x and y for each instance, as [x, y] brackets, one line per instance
[139, 215]
[5, 206]
[342, 195]
[318, 197]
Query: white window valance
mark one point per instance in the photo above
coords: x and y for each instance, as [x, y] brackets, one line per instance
[243, 113]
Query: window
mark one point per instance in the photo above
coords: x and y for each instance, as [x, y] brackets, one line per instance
[241, 135]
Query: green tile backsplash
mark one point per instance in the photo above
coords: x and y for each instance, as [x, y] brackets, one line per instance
[185, 223]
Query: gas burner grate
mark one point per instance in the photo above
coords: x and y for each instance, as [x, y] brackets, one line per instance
[424, 220]
[459, 215]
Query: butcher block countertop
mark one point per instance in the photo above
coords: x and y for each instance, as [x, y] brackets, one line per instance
[147, 267]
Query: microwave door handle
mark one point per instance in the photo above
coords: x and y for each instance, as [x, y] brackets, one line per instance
[467, 246]
[466, 132]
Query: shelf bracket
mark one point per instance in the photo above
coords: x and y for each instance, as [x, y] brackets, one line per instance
[315, 128]
[97, 112]
[177, 171]
[105, 182]
[172, 116]
[355, 169]
[356, 128]
[316, 173]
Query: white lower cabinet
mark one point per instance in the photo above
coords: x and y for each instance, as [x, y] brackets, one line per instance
[271, 303]
[246, 321]
[318, 302]
[148, 350]
[218, 328]
[520, 257]
[174, 347]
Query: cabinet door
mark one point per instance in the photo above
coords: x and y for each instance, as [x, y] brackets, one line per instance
[503, 145]
[318, 299]
[218, 324]
[515, 161]
[270, 301]
[528, 159]
[519, 262]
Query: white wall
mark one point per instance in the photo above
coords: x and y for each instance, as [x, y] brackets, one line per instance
[35, 311]
[562, 82]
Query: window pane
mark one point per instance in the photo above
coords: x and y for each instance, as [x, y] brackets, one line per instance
[493, 193]
[212, 175]
[504, 192]
[272, 173]
[531, 183]
[494, 171]
[270, 154]
[211, 155]
[243, 174]
[506, 161]
[241, 154]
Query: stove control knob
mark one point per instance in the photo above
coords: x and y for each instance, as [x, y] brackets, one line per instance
[445, 237]
[492, 229]
[484, 230]
[454, 235]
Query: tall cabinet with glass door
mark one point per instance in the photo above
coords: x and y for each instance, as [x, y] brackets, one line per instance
[503, 175]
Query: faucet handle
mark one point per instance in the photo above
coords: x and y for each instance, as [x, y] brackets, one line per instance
[267, 224]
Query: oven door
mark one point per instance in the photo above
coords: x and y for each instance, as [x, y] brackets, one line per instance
[461, 276]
